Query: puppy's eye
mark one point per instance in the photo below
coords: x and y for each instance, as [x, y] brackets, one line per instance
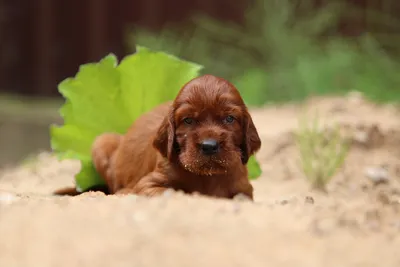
[229, 119]
[188, 121]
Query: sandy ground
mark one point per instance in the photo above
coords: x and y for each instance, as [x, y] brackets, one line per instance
[356, 223]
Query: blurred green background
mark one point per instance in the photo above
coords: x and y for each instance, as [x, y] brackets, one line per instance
[278, 51]
[286, 50]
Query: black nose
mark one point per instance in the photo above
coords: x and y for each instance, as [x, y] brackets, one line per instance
[209, 146]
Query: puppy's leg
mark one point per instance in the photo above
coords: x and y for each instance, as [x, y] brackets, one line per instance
[150, 185]
[244, 190]
[103, 150]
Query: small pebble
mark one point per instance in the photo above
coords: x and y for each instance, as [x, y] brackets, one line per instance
[309, 200]
[377, 175]
[92, 194]
[8, 198]
[360, 137]
[168, 193]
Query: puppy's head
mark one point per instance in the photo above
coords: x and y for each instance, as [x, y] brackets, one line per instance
[208, 129]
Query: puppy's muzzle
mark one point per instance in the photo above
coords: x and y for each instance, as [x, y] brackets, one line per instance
[209, 147]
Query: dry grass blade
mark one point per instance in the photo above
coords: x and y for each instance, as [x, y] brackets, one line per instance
[322, 153]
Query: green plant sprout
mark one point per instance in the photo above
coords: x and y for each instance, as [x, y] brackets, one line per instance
[107, 97]
[321, 153]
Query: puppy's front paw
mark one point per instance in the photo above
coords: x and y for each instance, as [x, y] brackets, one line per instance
[242, 197]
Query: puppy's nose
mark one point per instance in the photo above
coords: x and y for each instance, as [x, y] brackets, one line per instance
[209, 146]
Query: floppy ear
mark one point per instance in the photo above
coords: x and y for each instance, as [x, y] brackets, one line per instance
[165, 137]
[251, 141]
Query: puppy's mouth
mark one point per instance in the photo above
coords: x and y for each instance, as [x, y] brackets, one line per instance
[207, 165]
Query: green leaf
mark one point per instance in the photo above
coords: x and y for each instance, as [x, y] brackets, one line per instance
[88, 176]
[254, 168]
[107, 97]
[252, 87]
[152, 77]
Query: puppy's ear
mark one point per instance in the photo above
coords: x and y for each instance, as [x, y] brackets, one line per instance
[165, 137]
[251, 141]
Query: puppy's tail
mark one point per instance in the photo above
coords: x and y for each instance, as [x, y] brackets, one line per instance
[67, 191]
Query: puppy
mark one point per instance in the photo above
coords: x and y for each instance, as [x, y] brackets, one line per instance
[200, 142]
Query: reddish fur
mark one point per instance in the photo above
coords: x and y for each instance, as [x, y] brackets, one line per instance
[146, 161]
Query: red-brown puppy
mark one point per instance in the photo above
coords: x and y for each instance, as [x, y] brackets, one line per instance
[199, 143]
